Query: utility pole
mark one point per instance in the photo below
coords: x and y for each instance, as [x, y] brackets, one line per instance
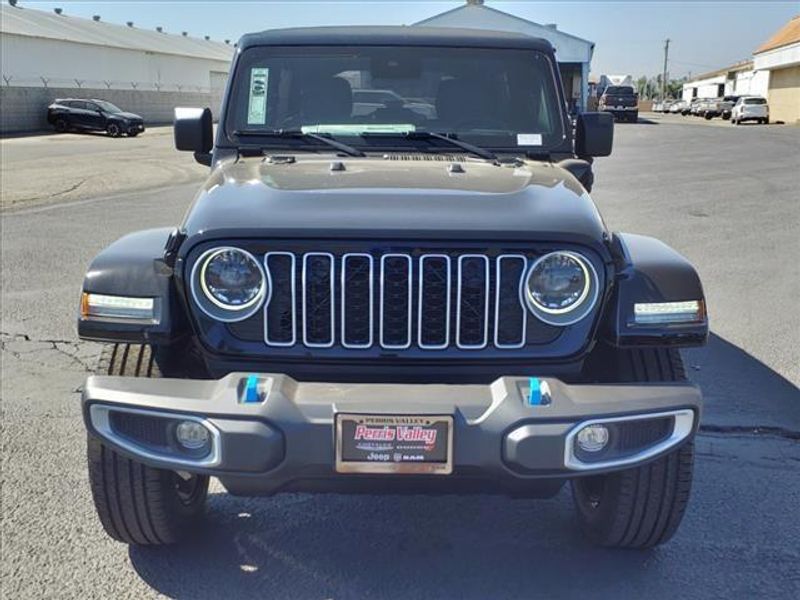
[664, 74]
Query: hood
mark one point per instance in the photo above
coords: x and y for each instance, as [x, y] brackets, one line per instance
[129, 116]
[406, 196]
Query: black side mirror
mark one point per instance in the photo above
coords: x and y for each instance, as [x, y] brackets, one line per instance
[194, 132]
[594, 134]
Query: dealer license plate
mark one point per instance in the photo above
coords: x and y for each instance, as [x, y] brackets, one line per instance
[402, 444]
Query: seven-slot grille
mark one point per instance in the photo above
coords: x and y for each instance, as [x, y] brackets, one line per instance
[395, 301]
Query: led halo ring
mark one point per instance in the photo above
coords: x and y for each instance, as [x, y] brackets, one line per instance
[212, 306]
[560, 317]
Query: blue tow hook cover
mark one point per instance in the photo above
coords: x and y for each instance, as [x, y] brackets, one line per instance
[251, 390]
[539, 394]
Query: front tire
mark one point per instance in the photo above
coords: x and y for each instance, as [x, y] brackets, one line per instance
[61, 126]
[113, 130]
[138, 504]
[643, 506]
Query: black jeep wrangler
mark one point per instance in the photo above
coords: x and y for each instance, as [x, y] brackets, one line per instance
[421, 297]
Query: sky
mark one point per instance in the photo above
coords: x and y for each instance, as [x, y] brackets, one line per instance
[629, 36]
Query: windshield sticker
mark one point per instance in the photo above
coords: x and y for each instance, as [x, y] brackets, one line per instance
[257, 106]
[359, 129]
[529, 139]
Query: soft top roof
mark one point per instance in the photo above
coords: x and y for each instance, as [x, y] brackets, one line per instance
[394, 36]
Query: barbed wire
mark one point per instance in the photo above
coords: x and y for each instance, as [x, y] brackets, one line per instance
[44, 81]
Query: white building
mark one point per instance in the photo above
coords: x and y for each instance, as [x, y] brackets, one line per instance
[779, 57]
[57, 50]
[737, 79]
[574, 54]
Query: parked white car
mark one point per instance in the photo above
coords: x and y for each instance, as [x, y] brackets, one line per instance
[678, 107]
[750, 108]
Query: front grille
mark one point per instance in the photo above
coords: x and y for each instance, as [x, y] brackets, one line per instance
[394, 301]
[147, 429]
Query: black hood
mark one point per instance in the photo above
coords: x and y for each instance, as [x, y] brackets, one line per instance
[377, 198]
[127, 116]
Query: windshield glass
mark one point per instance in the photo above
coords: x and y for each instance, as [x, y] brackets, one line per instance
[491, 97]
[107, 106]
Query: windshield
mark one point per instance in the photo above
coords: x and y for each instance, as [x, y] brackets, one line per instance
[491, 97]
[107, 106]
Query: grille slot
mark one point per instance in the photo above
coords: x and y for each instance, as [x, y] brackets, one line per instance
[280, 322]
[357, 304]
[433, 307]
[394, 301]
[510, 317]
[472, 306]
[318, 300]
[396, 280]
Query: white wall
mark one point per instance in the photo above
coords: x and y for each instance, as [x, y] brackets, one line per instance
[780, 57]
[706, 88]
[26, 59]
[751, 83]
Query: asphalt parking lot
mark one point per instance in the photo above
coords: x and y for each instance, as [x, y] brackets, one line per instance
[726, 197]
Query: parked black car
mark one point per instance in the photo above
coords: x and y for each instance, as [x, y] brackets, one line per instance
[373, 305]
[68, 114]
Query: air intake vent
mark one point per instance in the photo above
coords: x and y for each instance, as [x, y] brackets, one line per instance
[419, 156]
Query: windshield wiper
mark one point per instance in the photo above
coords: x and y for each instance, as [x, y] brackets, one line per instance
[476, 150]
[297, 133]
[432, 135]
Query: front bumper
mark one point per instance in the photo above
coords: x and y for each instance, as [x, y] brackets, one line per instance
[506, 436]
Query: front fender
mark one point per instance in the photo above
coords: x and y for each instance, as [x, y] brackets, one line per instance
[647, 270]
[134, 266]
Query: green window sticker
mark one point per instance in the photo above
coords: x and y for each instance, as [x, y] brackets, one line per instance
[257, 105]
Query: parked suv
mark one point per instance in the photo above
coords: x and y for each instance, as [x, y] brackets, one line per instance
[363, 305]
[93, 115]
[750, 108]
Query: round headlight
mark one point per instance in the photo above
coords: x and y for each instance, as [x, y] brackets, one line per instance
[561, 288]
[230, 279]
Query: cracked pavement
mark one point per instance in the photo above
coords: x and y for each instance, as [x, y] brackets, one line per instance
[41, 170]
[739, 538]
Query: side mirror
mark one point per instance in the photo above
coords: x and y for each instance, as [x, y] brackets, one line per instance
[194, 133]
[594, 134]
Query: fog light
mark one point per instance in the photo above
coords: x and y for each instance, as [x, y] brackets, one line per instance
[192, 435]
[592, 438]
